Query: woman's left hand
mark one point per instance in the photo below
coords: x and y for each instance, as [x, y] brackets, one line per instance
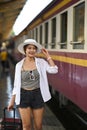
[45, 52]
[47, 55]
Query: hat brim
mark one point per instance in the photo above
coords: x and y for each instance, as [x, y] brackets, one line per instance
[21, 47]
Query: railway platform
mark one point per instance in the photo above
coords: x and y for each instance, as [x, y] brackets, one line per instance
[50, 122]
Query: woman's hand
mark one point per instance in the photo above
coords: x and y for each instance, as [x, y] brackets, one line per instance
[11, 104]
[45, 52]
[10, 107]
[47, 55]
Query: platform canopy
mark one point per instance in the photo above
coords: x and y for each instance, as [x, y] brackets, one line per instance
[9, 11]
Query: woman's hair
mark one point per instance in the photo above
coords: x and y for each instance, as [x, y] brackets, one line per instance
[26, 47]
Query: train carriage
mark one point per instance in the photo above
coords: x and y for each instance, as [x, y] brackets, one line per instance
[62, 28]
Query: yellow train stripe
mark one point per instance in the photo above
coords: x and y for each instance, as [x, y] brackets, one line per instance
[58, 6]
[70, 60]
[36, 23]
[75, 61]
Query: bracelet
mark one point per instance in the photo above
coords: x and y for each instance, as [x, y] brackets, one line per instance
[48, 58]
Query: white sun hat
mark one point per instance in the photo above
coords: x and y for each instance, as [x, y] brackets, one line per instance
[27, 42]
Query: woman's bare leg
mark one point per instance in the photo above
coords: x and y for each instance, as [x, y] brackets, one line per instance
[38, 117]
[25, 114]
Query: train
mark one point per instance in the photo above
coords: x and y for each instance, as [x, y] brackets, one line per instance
[61, 28]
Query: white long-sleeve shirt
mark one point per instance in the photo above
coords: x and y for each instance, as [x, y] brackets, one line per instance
[43, 67]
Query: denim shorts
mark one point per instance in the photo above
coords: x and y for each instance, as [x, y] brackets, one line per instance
[31, 98]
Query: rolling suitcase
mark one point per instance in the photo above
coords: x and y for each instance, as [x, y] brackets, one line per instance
[11, 123]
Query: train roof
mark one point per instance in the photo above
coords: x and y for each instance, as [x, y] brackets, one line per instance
[50, 10]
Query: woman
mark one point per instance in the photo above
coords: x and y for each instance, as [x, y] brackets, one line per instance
[31, 85]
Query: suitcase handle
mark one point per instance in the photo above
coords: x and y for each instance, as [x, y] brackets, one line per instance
[13, 109]
[9, 123]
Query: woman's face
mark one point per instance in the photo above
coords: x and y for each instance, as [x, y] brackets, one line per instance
[30, 50]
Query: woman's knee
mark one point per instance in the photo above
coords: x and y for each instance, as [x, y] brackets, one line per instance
[26, 127]
[38, 126]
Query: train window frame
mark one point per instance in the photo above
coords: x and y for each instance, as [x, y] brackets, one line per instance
[77, 42]
[32, 33]
[53, 32]
[41, 34]
[46, 27]
[63, 38]
[36, 34]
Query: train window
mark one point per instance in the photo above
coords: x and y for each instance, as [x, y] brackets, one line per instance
[46, 35]
[63, 30]
[41, 34]
[36, 34]
[53, 32]
[32, 33]
[79, 26]
[29, 34]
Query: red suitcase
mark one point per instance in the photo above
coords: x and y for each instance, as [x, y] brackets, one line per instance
[11, 123]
